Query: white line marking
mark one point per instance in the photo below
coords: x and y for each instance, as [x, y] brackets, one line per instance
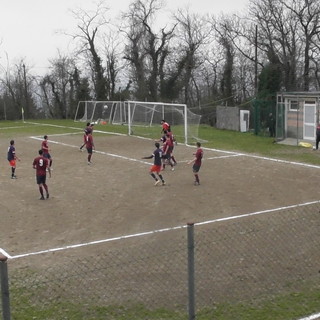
[54, 125]
[96, 242]
[17, 127]
[312, 317]
[262, 158]
[96, 151]
[5, 253]
[75, 128]
[258, 212]
[284, 161]
[216, 150]
[159, 231]
[223, 157]
[116, 155]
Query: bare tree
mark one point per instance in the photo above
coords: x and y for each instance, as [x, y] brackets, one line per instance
[113, 55]
[19, 86]
[57, 87]
[278, 38]
[193, 33]
[308, 14]
[89, 25]
[222, 28]
[147, 50]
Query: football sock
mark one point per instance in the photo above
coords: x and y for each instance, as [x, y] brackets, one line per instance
[197, 178]
[160, 176]
[41, 191]
[153, 176]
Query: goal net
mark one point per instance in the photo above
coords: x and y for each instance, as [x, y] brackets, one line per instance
[96, 111]
[142, 118]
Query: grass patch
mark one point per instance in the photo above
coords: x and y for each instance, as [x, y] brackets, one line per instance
[283, 307]
[219, 139]
[236, 141]
[288, 307]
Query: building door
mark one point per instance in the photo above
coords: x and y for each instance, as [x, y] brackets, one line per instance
[309, 125]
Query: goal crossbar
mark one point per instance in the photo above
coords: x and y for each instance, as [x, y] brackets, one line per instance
[138, 115]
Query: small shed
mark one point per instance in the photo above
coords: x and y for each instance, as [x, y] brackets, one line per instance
[297, 115]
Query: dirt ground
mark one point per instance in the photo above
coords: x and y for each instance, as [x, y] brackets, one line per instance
[115, 196]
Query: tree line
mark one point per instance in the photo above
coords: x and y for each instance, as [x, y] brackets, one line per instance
[200, 60]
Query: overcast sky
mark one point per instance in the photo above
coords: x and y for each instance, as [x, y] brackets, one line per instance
[29, 28]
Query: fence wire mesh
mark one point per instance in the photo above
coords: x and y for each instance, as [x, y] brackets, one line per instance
[242, 260]
[256, 257]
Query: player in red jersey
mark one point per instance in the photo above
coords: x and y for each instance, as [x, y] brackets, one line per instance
[88, 129]
[41, 164]
[156, 167]
[165, 126]
[198, 155]
[89, 146]
[45, 149]
[12, 158]
[167, 148]
[170, 135]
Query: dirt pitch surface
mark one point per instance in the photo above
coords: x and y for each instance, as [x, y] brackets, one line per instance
[115, 196]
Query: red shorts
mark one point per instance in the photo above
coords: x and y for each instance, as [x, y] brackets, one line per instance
[12, 163]
[155, 168]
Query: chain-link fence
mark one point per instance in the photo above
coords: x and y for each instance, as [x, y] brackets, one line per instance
[244, 259]
[260, 111]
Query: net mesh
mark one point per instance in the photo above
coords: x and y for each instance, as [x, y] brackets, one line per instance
[142, 118]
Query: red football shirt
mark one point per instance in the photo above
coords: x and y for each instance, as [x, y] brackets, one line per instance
[89, 141]
[198, 155]
[44, 146]
[40, 164]
[165, 126]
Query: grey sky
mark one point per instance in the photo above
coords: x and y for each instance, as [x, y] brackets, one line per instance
[28, 28]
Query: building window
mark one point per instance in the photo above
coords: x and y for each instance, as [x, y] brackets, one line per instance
[309, 102]
[293, 105]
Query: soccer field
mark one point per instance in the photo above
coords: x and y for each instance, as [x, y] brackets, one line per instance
[115, 196]
[115, 199]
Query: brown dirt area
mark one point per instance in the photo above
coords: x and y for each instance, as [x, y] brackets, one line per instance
[115, 196]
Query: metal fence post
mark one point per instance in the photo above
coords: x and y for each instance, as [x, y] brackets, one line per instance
[191, 293]
[4, 288]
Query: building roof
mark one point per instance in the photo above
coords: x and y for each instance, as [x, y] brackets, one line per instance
[307, 94]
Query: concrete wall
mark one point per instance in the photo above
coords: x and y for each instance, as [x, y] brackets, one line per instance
[228, 118]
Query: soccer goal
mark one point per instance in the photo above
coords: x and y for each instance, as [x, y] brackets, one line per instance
[97, 111]
[142, 118]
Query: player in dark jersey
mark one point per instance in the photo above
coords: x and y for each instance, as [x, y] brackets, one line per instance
[317, 136]
[41, 164]
[89, 145]
[198, 155]
[12, 158]
[156, 167]
[45, 149]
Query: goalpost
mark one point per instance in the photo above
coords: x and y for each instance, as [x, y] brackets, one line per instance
[142, 118]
